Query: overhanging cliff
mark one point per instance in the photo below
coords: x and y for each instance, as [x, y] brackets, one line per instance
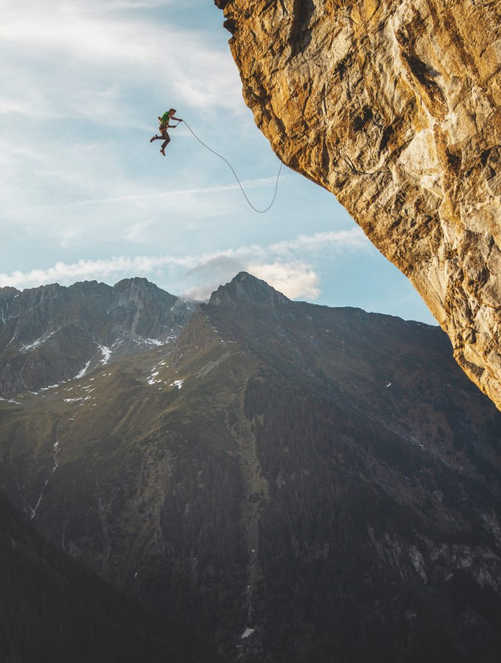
[394, 106]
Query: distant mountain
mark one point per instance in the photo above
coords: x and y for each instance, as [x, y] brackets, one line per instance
[288, 482]
[52, 333]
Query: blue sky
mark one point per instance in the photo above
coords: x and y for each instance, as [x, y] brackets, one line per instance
[84, 195]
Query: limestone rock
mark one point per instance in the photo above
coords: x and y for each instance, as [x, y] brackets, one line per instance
[395, 108]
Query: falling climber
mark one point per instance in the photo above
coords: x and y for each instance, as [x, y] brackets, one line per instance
[163, 126]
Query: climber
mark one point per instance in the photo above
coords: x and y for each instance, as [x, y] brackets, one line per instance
[163, 126]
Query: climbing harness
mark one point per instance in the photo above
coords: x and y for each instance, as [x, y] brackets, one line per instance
[249, 202]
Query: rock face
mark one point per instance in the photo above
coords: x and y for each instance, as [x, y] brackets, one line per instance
[282, 483]
[394, 106]
[52, 333]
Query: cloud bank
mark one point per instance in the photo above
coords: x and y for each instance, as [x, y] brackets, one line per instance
[281, 264]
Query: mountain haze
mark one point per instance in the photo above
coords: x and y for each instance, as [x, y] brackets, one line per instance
[282, 481]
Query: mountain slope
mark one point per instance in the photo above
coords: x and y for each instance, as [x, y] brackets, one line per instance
[51, 334]
[52, 609]
[289, 482]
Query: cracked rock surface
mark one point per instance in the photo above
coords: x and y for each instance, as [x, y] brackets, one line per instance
[395, 108]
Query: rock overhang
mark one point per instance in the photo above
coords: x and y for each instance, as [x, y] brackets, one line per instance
[395, 108]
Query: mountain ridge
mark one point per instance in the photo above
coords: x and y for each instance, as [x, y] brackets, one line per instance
[246, 287]
[53, 333]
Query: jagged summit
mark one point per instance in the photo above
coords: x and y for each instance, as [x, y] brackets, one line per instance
[138, 283]
[8, 290]
[138, 280]
[246, 288]
[53, 333]
[143, 292]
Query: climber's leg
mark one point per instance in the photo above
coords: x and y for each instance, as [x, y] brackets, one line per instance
[165, 143]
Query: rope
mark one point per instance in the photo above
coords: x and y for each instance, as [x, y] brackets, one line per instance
[249, 202]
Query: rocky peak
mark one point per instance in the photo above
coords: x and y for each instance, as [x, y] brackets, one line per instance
[139, 290]
[136, 284]
[8, 292]
[136, 281]
[246, 289]
[394, 106]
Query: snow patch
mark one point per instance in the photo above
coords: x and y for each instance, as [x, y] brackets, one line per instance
[247, 633]
[106, 352]
[10, 400]
[153, 341]
[34, 510]
[156, 342]
[177, 383]
[55, 465]
[77, 400]
[389, 385]
[152, 378]
[81, 373]
[55, 448]
[28, 347]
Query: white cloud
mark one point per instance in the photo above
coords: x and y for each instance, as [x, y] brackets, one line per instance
[200, 281]
[44, 44]
[65, 273]
[294, 277]
[126, 5]
[353, 238]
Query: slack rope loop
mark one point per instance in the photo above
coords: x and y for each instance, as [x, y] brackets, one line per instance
[249, 202]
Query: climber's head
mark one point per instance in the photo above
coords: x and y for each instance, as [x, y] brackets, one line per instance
[172, 111]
